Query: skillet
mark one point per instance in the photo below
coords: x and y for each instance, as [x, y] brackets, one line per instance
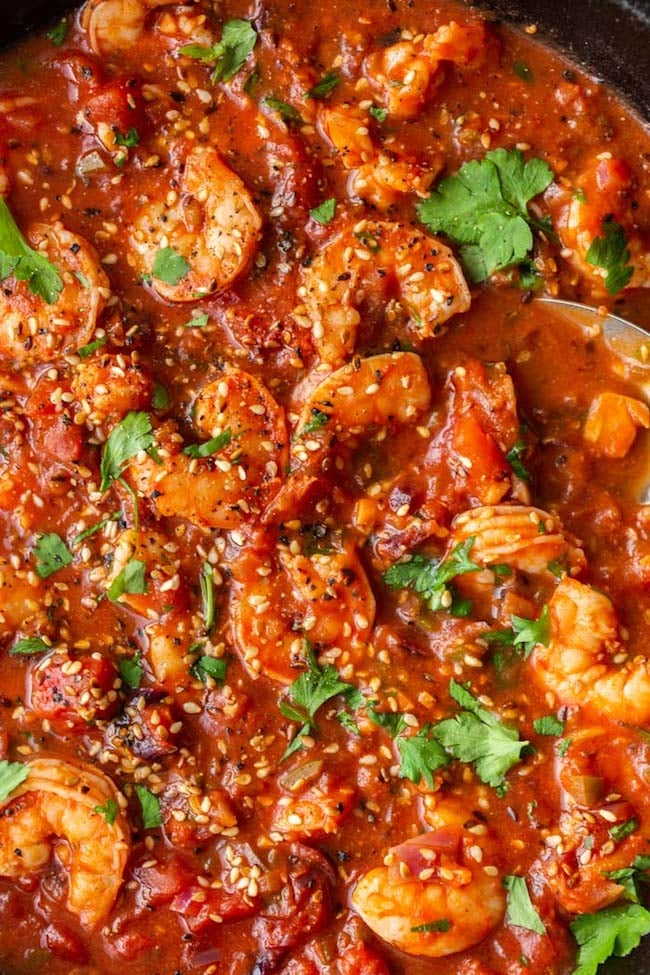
[610, 38]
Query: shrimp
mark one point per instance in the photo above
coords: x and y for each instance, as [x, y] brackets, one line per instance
[406, 73]
[581, 665]
[443, 875]
[314, 804]
[114, 25]
[32, 330]
[211, 224]
[424, 272]
[21, 597]
[164, 587]
[108, 386]
[233, 484]
[59, 799]
[277, 598]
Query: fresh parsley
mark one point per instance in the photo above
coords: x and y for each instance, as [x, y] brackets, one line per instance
[214, 667]
[514, 458]
[631, 878]
[209, 447]
[549, 725]
[528, 633]
[623, 830]
[131, 580]
[58, 33]
[284, 109]
[429, 577]
[11, 776]
[522, 71]
[109, 811]
[206, 584]
[89, 532]
[87, 350]
[443, 924]
[18, 258]
[169, 266]
[611, 933]
[563, 746]
[317, 422]
[127, 438]
[380, 114]
[484, 209]
[238, 38]
[325, 86]
[392, 721]
[611, 253]
[51, 554]
[421, 756]
[520, 909]
[160, 399]
[129, 139]
[131, 671]
[27, 646]
[324, 213]
[198, 321]
[150, 808]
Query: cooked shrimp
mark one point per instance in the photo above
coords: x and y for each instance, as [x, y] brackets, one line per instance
[578, 665]
[234, 484]
[438, 876]
[613, 422]
[113, 25]
[59, 799]
[211, 224]
[109, 386]
[21, 596]
[522, 537]
[164, 587]
[314, 804]
[278, 598]
[32, 330]
[169, 653]
[407, 72]
[427, 277]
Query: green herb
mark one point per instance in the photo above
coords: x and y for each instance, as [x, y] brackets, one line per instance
[522, 71]
[87, 350]
[27, 646]
[214, 667]
[150, 806]
[421, 756]
[131, 671]
[317, 422]
[580, 196]
[18, 258]
[484, 209]
[198, 321]
[131, 139]
[514, 456]
[288, 112]
[631, 878]
[549, 725]
[210, 446]
[58, 33]
[348, 722]
[109, 811]
[476, 735]
[520, 909]
[127, 438]
[324, 213]
[444, 924]
[429, 577]
[611, 253]
[563, 746]
[528, 633]
[558, 568]
[371, 243]
[461, 608]
[529, 277]
[169, 266]
[131, 580]
[51, 554]
[11, 776]
[160, 399]
[88, 532]
[622, 830]
[380, 114]
[325, 86]
[500, 569]
[393, 722]
[206, 583]
[611, 933]
[238, 38]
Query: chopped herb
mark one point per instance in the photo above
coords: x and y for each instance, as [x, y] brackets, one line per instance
[317, 422]
[131, 580]
[18, 258]
[514, 458]
[150, 807]
[210, 447]
[198, 321]
[109, 810]
[214, 667]
[500, 569]
[27, 646]
[529, 277]
[563, 746]
[549, 725]
[127, 438]
[58, 33]
[611, 253]
[520, 909]
[206, 583]
[557, 568]
[87, 350]
[522, 71]
[623, 830]
[484, 209]
[325, 86]
[169, 266]
[51, 554]
[288, 112]
[89, 532]
[444, 924]
[631, 878]
[380, 114]
[580, 196]
[370, 242]
[611, 933]
[421, 756]
[238, 38]
[392, 722]
[324, 213]
[11, 776]
[460, 608]
[160, 399]
[429, 577]
[130, 139]
[348, 722]
[528, 633]
[131, 671]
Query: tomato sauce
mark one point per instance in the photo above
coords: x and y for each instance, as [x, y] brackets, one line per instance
[324, 569]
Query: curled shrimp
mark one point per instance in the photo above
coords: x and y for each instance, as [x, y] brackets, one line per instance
[31, 330]
[585, 663]
[114, 25]
[278, 598]
[211, 224]
[423, 271]
[59, 799]
[234, 484]
[439, 876]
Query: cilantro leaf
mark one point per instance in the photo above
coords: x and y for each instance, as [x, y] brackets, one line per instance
[563, 746]
[130, 139]
[206, 584]
[520, 909]
[89, 532]
[514, 458]
[613, 932]
[317, 422]
[127, 438]
[549, 725]
[150, 808]
[622, 830]
[380, 114]
[160, 399]
[214, 667]
[169, 266]
[198, 321]
[87, 350]
[631, 878]
[209, 447]
[131, 580]
[11, 776]
[393, 722]
[18, 258]
[109, 810]
[421, 756]
[131, 671]
[28, 646]
[443, 924]
[324, 213]
[475, 735]
[528, 633]
[51, 554]
[611, 253]
[238, 38]
[429, 577]
[522, 71]
[484, 209]
[58, 33]
[325, 86]
[288, 112]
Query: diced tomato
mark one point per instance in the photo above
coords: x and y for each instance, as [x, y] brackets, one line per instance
[52, 428]
[117, 106]
[131, 944]
[204, 908]
[361, 960]
[63, 943]
[74, 690]
[487, 474]
[162, 880]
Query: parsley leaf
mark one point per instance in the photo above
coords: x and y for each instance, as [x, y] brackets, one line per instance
[11, 776]
[206, 584]
[131, 671]
[630, 878]
[27, 646]
[613, 932]
[611, 253]
[325, 86]
[563, 746]
[150, 807]
[444, 924]
[51, 554]
[130, 139]
[89, 532]
[198, 321]
[238, 38]
[130, 580]
[421, 756]
[288, 112]
[520, 909]
[58, 33]
[127, 438]
[549, 725]
[209, 447]
[429, 577]
[87, 350]
[484, 209]
[160, 399]
[476, 735]
[392, 721]
[214, 667]
[622, 830]
[514, 458]
[528, 633]
[317, 422]
[109, 811]
[18, 258]
[324, 213]
[522, 71]
[380, 114]
[169, 266]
